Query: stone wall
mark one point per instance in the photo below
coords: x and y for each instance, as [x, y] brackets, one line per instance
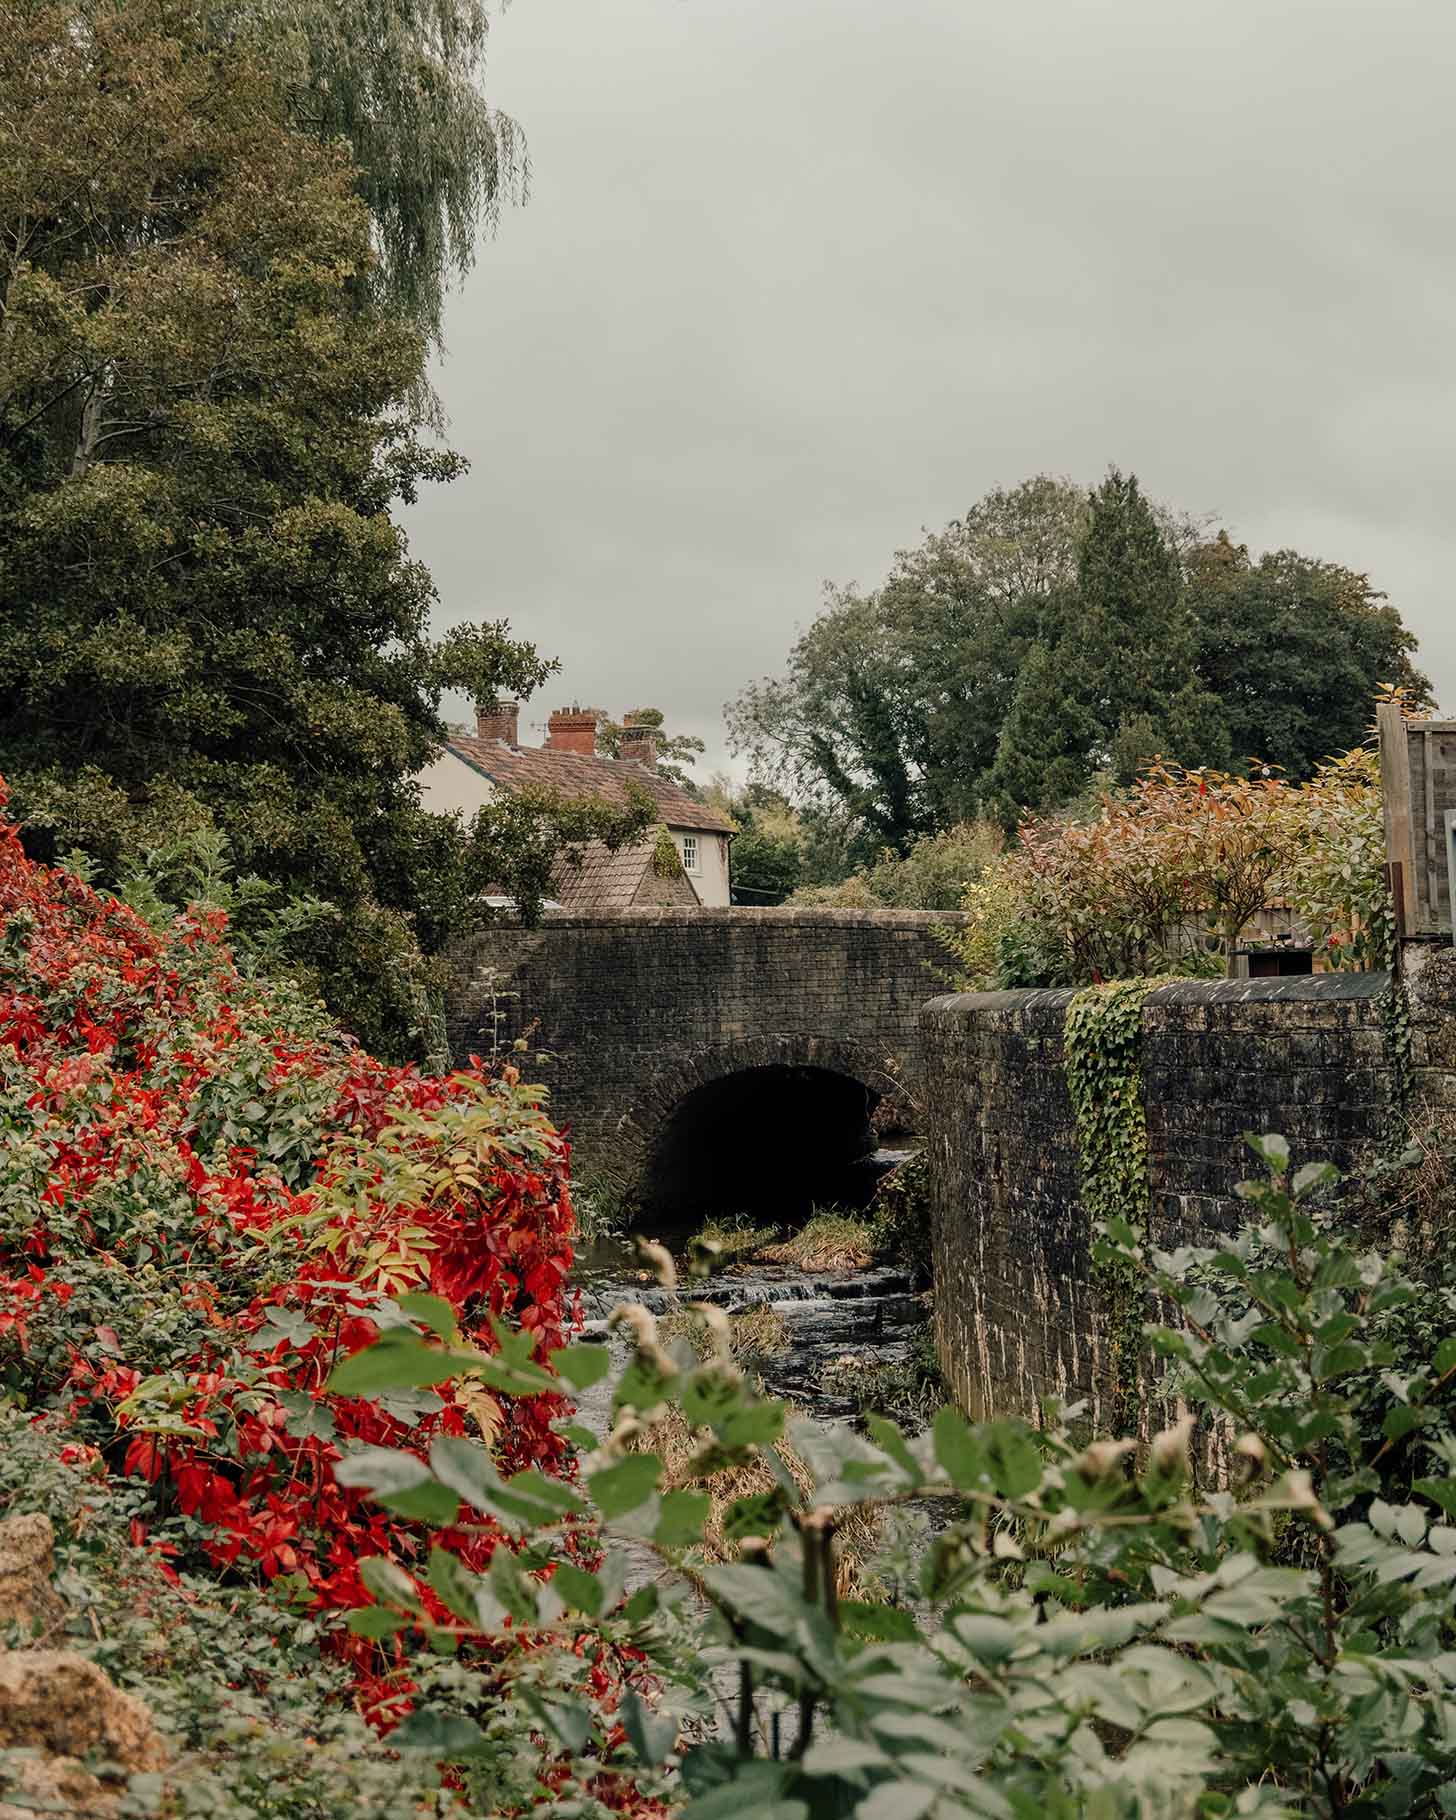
[1016, 1314]
[635, 1008]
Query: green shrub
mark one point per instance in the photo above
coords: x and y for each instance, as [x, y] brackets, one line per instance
[1100, 1630]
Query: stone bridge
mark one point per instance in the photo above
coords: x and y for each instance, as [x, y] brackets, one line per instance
[712, 1059]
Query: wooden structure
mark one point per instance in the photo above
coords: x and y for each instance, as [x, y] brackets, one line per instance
[1418, 776]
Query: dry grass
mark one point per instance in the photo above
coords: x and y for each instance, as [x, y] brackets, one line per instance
[753, 1333]
[757, 1332]
[676, 1446]
[830, 1241]
[731, 1241]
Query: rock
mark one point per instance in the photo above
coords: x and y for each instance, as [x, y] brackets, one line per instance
[54, 1786]
[27, 1561]
[56, 1701]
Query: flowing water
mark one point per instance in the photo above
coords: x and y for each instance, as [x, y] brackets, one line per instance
[832, 1319]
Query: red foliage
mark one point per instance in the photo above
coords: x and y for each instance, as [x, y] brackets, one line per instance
[148, 1091]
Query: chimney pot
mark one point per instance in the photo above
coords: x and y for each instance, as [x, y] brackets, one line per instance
[573, 730]
[497, 720]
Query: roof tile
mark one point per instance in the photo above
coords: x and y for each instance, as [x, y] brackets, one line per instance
[576, 774]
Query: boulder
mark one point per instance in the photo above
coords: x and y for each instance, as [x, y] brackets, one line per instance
[54, 1786]
[56, 1701]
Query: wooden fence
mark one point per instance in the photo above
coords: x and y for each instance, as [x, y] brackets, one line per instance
[1418, 774]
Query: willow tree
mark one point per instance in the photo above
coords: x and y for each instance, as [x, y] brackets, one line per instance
[398, 84]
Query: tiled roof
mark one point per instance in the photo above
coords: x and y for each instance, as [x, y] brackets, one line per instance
[615, 881]
[575, 774]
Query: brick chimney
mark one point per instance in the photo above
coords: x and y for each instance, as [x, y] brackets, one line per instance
[639, 742]
[573, 730]
[497, 720]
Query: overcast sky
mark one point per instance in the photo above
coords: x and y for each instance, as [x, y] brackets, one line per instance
[800, 277]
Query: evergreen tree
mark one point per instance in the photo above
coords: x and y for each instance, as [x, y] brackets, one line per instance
[1127, 645]
[1044, 754]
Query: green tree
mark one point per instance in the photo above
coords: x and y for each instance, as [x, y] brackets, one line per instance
[209, 618]
[970, 602]
[396, 82]
[1043, 753]
[1127, 647]
[1296, 651]
[889, 716]
[675, 751]
[846, 729]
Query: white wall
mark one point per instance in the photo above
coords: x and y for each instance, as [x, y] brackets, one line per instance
[450, 784]
[710, 881]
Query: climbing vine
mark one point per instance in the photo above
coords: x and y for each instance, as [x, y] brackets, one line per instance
[666, 860]
[1103, 1060]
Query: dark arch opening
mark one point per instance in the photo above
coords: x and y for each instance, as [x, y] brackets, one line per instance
[774, 1142]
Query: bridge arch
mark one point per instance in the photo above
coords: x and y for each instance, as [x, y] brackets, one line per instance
[622, 1014]
[770, 1125]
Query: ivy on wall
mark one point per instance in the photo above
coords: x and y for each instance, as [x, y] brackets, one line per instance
[666, 860]
[1103, 1061]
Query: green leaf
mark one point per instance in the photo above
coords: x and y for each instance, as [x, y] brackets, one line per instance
[683, 1514]
[410, 1406]
[448, 1736]
[756, 1425]
[651, 1735]
[1314, 1176]
[568, 1720]
[398, 1360]
[1014, 1461]
[1271, 1149]
[758, 1594]
[620, 1488]
[434, 1312]
[517, 1592]
[381, 1469]
[896, 1801]
[454, 1584]
[640, 1607]
[886, 1435]
[284, 1325]
[389, 1583]
[577, 1589]
[757, 1514]
[843, 1757]
[1444, 1359]
[958, 1451]
[374, 1621]
[582, 1366]
[307, 1419]
[552, 1499]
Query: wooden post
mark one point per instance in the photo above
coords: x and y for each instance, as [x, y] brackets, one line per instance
[1395, 780]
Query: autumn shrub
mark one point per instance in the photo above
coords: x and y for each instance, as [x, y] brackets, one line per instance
[1169, 875]
[211, 1200]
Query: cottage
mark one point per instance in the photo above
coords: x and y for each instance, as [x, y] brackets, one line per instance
[476, 769]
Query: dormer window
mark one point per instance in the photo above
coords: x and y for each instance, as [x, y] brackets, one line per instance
[690, 853]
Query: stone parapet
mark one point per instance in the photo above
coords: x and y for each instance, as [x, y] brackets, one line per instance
[1018, 1315]
[631, 1010]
